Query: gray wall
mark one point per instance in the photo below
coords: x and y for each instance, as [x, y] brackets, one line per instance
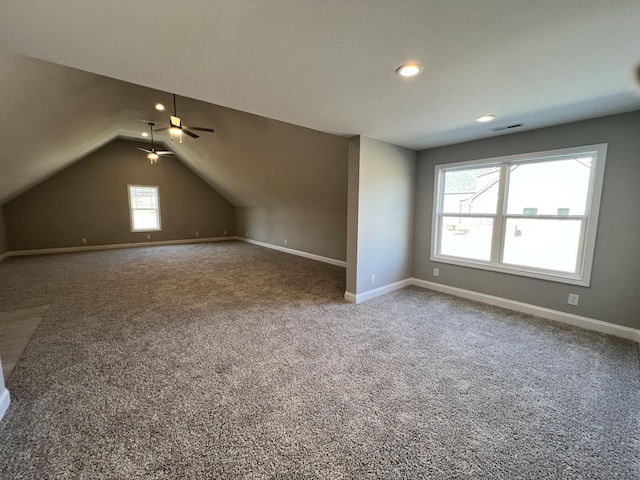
[352, 215]
[90, 199]
[292, 184]
[321, 231]
[614, 293]
[385, 205]
[4, 246]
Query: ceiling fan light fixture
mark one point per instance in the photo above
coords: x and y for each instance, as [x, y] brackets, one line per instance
[409, 70]
[153, 155]
[145, 134]
[160, 107]
[177, 132]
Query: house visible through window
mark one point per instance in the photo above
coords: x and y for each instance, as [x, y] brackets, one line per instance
[533, 214]
[144, 207]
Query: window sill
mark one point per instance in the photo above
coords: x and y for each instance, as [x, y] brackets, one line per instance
[558, 277]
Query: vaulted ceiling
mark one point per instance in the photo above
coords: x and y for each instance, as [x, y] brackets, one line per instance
[328, 66]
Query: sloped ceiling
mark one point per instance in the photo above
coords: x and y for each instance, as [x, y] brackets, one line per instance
[329, 66]
[55, 115]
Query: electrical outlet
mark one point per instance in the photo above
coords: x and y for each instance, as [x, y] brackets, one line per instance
[225, 232]
[285, 242]
[84, 240]
[148, 237]
[573, 299]
[436, 272]
[373, 278]
[197, 234]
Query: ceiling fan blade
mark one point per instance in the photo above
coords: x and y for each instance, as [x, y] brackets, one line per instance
[155, 122]
[202, 129]
[191, 134]
[160, 129]
[164, 152]
[145, 150]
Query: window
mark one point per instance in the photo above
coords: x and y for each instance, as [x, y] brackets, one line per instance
[144, 207]
[534, 214]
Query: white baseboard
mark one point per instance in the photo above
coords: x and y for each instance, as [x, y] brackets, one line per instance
[115, 246]
[556, 315]
[361, 297]
[350, 297]
[4, 255]
[5, 400]
[299, 253]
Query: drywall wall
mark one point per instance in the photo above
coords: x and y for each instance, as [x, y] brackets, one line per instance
[301, 196]
[90, 200]
[5, 397]
[386, 189]
[4, 246]
[320, 231]
[614, 293]
[352, 215]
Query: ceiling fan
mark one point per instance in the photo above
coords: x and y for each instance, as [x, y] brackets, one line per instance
[154, 154]
[176, 128]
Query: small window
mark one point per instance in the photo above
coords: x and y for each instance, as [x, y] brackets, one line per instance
[144, 208]
[533, 214]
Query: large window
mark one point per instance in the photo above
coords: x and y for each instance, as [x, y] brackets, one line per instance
[533, 214]
[144, 207]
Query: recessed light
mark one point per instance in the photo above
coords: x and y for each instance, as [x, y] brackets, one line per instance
[485, 118]
[160, 107]
[145, 134]
[409, 70]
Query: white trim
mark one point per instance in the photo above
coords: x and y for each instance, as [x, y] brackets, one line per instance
[312, 256]
[361, 297]
[156, 191]
[350, 297]
[5, 401]
[582, 275]
[115, 246]
[556, 315]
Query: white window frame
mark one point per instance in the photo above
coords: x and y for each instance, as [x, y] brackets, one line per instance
[582, 276]
[157, 210]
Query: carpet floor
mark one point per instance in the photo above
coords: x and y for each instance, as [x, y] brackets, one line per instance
[227, 360]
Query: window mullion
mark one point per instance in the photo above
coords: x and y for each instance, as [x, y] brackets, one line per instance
[498, 224]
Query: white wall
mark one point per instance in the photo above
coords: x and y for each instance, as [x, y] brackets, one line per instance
[4, 395]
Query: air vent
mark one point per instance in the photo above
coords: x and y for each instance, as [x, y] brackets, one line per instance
[507, 127]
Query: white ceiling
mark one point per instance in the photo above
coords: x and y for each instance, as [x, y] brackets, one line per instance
[330, 65]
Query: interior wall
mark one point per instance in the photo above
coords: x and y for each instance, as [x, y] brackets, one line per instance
[89, 200]
[614, 293]
[294, 184]
[386, 191]
[320, 231]
[352, 215]
[4, 395]
[4, 245]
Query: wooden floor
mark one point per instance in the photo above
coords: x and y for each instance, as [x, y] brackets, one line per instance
[16, 328]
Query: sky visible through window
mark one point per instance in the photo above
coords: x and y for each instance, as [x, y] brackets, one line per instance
[552, 195]
[143, 203]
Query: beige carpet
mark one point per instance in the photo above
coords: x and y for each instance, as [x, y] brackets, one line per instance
[228, 360]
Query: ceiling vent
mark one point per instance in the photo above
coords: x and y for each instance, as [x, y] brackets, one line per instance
[507, 127]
